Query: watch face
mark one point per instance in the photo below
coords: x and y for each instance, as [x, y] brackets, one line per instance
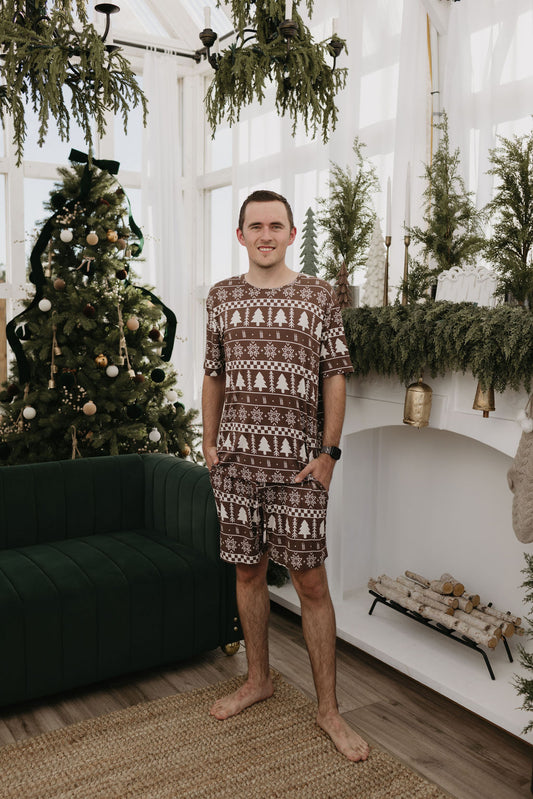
[334, 452]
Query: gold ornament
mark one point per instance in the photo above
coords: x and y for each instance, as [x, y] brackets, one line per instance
[59, 284]
[186, 451]
[132, 323]
[89, 409]
[417, 407]
[112, 236]
[231, 649]
[101, 360]
[92, 238]
[484, 400]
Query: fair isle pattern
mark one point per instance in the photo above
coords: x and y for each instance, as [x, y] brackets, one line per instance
[287, 521]
[275, 347]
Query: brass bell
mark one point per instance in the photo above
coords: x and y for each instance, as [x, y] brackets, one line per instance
[484, 400]
[417, 407]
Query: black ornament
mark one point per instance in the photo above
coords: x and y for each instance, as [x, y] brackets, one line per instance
[179, 405]
[57, 200]
[158, 375]
[134, 411]
[67, 379]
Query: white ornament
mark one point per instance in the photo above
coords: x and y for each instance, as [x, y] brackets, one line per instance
[527, 425]
[171, 395]
[89, 409]
[132, 323]
[112, 370]
[29, 412]
[45, 304]
[66, 236]
[154, 434]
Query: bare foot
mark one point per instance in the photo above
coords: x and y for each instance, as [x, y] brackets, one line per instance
[347, 741]
[248, 694]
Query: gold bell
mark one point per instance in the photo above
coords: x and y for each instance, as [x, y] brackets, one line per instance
[417, 407]
[484, 400]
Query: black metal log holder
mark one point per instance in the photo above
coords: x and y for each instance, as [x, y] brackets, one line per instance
[439, 628]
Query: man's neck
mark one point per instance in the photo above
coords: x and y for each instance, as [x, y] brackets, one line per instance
[270, 278]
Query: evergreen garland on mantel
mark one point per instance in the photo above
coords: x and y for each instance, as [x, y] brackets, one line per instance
[435, 338]
[301, 70]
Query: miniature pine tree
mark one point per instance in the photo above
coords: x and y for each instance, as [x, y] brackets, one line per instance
[347, 215]
[343, 289]
[511, 245]
[89, 378]
[309, 250]
[452, 233]
[375, 268]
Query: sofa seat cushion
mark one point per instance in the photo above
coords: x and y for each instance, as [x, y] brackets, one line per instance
[84, 609]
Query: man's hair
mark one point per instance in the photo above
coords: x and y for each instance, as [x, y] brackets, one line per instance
[265, 196]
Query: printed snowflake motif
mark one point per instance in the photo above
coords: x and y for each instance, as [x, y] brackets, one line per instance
[322, 499]
[257, 415]
[310, 499]
[221, 295]
[270, 495]
[296, 561]
[217, 479]
[294, 497]
[306, 293]
[289, 291]
[232, 470]
[253, 350]
[287, 352]
[246, 474]
[227, 484]
[261, 476]
[270, 351]
[302, 356]
[238, 292]
[231, 414]
[291, 419]
[231, 544]
[311, 561]
[238, 350]
[274, 554]
[241, 414]
[277, 477]
[274, 416]
[246, 546]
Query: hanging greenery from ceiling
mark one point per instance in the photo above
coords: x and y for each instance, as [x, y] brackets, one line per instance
[300, 69]
[435, 338]
[45, 54]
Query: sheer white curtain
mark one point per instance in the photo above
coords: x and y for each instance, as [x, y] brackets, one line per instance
[163, 217]
[488, 81]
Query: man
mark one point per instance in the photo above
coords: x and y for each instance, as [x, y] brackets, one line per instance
[275, 353]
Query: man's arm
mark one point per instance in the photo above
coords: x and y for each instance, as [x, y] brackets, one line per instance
[334, 399]
[212, 403]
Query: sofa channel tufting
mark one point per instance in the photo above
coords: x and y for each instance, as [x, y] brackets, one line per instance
[108, 565]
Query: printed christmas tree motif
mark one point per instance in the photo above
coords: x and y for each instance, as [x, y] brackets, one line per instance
[227, 442]
[372, 289]
[236, 318]
[322, 529]
[286, 448]
[223, 512]
[243, 516]
[309, 248]
[256, 516]
[282, 384]
[303, 453]
[288, 528]
[303, 321]
[302, 389]
[272, 522]
[318, 329]
[340, 347]
[304, 529]
[323, 351]
[240, 381]
[280, 318]
[243, 444]
[259, 382]
[92, 369]
[258, 318]
[264, 446]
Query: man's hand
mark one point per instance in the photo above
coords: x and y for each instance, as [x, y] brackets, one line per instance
[211, 456]
[320, 468]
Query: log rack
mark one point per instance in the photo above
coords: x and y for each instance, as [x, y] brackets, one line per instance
[439, 628]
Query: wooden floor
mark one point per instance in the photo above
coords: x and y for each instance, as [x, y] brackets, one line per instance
[466, 756]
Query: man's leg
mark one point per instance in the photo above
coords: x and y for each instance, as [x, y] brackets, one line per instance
[318, 623]
[254, 610]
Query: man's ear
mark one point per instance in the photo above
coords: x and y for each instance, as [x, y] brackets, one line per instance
[240, 237]
[292, 236]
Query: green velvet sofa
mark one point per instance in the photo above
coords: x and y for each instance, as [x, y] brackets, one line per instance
[107, 566]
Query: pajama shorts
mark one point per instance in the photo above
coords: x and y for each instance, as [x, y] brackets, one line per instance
[287, 520]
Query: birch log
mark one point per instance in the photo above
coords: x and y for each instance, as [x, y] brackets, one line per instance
[506, 627]
[441, 586]
[458, 588]
[474, 598]
[464, 604]
[499, 614]
[451, 601]
[417, 578]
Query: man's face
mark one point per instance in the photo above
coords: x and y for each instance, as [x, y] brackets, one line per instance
[266, 233]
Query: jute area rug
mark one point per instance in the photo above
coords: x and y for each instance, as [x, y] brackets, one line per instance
[173, 749]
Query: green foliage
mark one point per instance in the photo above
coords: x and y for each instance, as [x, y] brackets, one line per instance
[305, 83]
[511, 209]
[37, 68]
[63, 343]
[494, 344]
[347, 216]
[308, 250]
[451, 235]
[419, 281]
[524, 685]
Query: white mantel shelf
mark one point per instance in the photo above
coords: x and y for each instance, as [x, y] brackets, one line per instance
[429, 500]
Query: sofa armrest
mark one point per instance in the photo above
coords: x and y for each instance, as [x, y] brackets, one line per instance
[179, 502]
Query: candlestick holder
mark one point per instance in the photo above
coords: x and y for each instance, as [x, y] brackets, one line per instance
[388, 240]
[407, 242]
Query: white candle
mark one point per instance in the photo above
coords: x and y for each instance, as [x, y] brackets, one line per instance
[408, 197]
[334, 26]
[389, 203]
[288, 9]
[207, 16]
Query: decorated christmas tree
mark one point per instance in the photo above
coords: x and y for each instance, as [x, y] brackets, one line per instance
[309, 249]
[91, 373]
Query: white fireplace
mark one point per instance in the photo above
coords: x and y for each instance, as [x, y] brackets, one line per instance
[432, 500]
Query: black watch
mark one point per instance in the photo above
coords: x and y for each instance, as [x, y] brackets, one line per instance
[333, 452]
